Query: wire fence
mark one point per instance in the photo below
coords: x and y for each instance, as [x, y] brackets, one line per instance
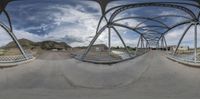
[15, 58]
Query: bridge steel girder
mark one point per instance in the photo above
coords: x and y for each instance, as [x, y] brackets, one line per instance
[147, 32]
[9, 29]
[154, 4]
[183, 35]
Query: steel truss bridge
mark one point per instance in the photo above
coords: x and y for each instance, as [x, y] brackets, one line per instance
[25, 56]
[150, 34]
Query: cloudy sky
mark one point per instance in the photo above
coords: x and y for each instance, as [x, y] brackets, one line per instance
[75, 22]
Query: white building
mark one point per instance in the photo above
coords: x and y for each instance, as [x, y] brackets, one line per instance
[181, 48]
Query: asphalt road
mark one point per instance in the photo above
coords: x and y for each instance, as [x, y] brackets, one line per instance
[150, 76]
[54, 55]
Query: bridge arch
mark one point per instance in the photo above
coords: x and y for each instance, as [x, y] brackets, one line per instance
[151, 36]
[12, 60]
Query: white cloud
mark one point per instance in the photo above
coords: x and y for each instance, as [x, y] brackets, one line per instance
[83, 26]
[5, 38]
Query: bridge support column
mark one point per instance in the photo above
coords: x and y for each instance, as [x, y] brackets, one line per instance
[182, 38]
[136, 50]
[166, 46]
[92, 42]
[161, 44]
[109, 40]
[195, 43]
[127, 50]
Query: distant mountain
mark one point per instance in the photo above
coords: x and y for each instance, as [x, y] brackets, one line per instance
[95, 45]
[24, 42]
[46, 45]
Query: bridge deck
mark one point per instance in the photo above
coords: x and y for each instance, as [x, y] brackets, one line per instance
[151, 76]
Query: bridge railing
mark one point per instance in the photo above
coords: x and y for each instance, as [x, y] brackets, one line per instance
[183, 59]
[15, 58]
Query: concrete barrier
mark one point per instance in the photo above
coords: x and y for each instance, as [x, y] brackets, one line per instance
[185, 62]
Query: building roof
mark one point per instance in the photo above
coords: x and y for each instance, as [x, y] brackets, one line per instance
[100, 45]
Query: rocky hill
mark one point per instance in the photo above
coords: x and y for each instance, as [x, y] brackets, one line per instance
[48, 45]
[45, 45]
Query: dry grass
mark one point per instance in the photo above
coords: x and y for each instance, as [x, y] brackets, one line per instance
[2, 52]
[13, 51]
[16, 51]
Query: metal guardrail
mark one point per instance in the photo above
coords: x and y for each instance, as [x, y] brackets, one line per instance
[15, 58]
[185, 61]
